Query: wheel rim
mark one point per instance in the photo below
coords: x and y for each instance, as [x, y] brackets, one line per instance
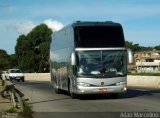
[70, 89]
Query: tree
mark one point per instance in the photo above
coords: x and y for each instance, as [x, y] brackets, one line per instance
[13, 61]
[44, 53]
[32, 50]
[28, 63]
[157, 47]
[7, 61]
[136, 47]
[4, 60]
[129, 44]
[21, 47]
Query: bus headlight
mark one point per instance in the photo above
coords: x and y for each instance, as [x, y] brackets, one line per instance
[83, 84]
[121, 83]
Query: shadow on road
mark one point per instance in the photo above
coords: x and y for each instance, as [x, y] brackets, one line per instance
[48, 100]
[137, 92]
[131, 93]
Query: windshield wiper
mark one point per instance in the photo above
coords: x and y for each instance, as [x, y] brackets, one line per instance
[96, 75]
[90, 75]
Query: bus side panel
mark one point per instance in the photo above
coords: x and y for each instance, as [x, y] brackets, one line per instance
[61, 49]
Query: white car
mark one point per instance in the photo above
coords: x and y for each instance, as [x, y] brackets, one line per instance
[15, 74]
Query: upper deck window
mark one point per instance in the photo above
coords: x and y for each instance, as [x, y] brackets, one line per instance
[99, 36]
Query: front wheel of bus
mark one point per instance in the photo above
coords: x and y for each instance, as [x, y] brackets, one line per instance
[73, 96]
[114, 95]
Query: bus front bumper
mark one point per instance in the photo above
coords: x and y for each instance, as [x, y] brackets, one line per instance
[101, 90]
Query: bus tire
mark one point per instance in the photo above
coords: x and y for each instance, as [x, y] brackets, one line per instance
[114, 95]
[55, 85]
[73, 96]
[58, 91]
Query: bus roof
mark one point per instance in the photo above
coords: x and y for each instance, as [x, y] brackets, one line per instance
[91, 23]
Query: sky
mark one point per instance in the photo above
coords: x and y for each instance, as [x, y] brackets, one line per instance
[140, 18]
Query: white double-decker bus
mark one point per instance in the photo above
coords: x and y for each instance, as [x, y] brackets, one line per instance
[89, 58]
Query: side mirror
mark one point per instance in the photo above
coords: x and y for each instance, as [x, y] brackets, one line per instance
[73, 59]
[130, 56]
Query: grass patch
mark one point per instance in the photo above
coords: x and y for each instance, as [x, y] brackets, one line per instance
[25, 113]
[27, 110]
[145, 74]
[1, 82]
[1, 88]
[11, 110]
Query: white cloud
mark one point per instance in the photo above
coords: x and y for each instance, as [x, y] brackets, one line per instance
[23, 27]
[53, 24]
[26, 26]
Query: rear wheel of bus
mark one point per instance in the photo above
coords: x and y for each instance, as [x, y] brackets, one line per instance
[56, 89]
[73, 96]
[114, 95]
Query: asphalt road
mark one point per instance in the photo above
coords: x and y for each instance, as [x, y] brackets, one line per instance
[44, 99]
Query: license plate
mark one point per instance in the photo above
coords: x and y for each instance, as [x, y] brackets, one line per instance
[102, 89]
[18, 77]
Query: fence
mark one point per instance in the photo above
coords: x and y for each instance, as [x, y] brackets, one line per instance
[13, 94]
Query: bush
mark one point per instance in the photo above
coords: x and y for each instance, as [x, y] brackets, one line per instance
[145, 74]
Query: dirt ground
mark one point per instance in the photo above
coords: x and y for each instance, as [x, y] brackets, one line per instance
[4, 103]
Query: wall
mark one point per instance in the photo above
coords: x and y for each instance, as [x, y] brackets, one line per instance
[141, 81]
[144, 81]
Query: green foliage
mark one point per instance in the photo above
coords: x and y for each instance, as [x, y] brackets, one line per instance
[157, 47]
[27, 110]
[7, 61]
[11, 110]
[28, 62]
[4, 59]
[32, 50]
[145, 74]
[13, 61]
[21, 47]
[136, 47]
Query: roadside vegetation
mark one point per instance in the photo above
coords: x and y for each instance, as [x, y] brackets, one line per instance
[32, 51]
[7, 61]
[25, 113]
[137, 47]
[1, 87]
[144, 74]
[27, 110]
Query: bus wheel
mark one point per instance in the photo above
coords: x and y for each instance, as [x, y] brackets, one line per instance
[73, 96]
[114, 95]
[58, 91]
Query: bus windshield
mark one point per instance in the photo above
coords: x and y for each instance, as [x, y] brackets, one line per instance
[101, 64]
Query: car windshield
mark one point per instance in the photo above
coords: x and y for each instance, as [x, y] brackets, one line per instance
[15, 71]
[104, 64]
